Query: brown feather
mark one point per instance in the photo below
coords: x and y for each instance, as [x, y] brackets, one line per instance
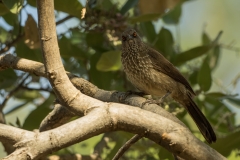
[167, 68]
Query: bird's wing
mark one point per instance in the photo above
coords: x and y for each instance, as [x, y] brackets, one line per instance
[167, 68]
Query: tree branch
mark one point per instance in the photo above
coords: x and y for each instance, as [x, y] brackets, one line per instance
[109, 117]
[127, 145]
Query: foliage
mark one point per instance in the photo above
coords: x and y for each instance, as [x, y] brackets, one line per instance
[92, 50]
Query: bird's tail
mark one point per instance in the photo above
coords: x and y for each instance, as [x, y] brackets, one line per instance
[200, 120]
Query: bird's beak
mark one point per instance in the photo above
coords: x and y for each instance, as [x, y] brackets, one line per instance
[130, 39]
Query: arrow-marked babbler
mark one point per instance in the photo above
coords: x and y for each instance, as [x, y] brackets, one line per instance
[151, 73]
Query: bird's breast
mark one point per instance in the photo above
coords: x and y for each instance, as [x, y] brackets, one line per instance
[143, 76]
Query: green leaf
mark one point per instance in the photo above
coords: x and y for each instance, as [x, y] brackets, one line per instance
[67, 49]
[205, 39]
[72, 7]
[213, 57]
[36, 116]
[195, 52]
[173, 16]
[165, 42]
[128, 5]
[215, 95]
[24, 51]
[3, 35]
[28, 94]
[191, 54]
[193, 77]
[235, 101]
[87, 146]
[225, 145]
[204, 77]
[164, 154]
[3, 9]
[95, 40]
[149, 31]
[11, 19]
[145, 17]
[99, 78]
[7, 78]
[109, 61]
[13, 5]
[18, 123]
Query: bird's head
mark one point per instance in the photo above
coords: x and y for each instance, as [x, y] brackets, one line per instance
[130, 39]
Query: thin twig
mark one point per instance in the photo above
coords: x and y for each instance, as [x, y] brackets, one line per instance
[64, 19]
[230, 47]
[37, 89]
[12, 92]
[10, 44]
[127, 145]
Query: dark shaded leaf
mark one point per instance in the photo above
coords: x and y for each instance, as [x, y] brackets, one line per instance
[109, 61]
[13, 5]
[105, 5]
[36, 116]
[213, 57]
[218, 114]
[235, 101]
[3, 35]
[195, 52]
[95, 40]
[164, 43]
[18, 123]
[191, 54]
[86, 147]
[7, 78]
[24, 51]
[3, 9]
[67, 49]
[204, 77]
[193, 77]
[226, 145]
[149, 31]
[145, 18]
[10, 18]
[164, 154]
[98, 78]
[72, 7]
[215, 95]
[128, 5]
[205, 39]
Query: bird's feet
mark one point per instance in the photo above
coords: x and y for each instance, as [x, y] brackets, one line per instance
[152, 101]
[136, 93]
[157, 101]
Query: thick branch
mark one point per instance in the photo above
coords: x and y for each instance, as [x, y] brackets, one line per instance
[67, 94]
[109, 117]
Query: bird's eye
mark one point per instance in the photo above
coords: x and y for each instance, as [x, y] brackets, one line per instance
[124, 38]
[134, 34]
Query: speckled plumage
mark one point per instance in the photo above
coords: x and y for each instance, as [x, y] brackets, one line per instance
[150, 72]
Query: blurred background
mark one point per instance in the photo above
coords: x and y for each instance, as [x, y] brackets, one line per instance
[200, 37]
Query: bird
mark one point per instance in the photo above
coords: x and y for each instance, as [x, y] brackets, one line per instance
[151, 73]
